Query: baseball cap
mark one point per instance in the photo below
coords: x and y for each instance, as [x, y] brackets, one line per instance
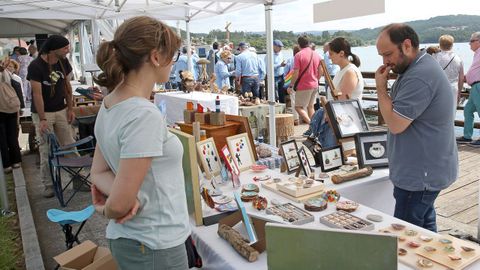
[278, 43]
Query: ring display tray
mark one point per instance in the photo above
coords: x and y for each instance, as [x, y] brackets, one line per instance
[270, 185]
[291, 214]
[299, 191]
[344, 220]
[439, 255]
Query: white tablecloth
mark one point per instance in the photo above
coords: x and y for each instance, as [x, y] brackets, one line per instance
[176, 102]
[373, 193]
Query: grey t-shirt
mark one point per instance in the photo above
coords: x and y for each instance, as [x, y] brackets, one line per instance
[135, 128]
[424, 156]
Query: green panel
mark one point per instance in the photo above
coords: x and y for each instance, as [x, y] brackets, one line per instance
[302, 248]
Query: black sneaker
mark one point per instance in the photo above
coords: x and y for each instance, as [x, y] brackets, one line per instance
[463, 140]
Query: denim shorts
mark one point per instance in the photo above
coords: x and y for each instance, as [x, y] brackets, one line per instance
[131, 254]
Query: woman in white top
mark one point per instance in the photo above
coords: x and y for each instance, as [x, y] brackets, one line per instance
[451, 64]
[137, 174]
[349, 79]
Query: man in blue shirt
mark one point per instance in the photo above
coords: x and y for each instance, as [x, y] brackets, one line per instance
[422, 152]
[181, 65]
[278, 70]
[247, 70]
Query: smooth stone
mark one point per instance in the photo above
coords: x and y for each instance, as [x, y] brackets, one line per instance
[375, 218]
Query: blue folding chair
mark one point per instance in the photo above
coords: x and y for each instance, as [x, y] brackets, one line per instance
[67, 219]
[59, 161]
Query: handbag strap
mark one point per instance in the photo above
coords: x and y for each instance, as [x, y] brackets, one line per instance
[303, 72]
[449, 63]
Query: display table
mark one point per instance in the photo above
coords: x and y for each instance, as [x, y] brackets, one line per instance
[219, 254]
[175, 103]
[257, 115]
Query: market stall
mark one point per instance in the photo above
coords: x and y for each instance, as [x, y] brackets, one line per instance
[175, 102]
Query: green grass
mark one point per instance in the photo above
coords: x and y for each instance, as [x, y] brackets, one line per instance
[11, 255]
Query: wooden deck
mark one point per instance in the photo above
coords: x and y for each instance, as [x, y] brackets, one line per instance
[457, 206]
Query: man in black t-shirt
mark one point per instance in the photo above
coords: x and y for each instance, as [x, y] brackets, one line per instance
[52, 99]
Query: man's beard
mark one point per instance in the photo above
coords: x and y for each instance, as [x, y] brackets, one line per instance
[400, 68]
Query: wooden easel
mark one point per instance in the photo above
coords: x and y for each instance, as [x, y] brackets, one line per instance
[324, 101]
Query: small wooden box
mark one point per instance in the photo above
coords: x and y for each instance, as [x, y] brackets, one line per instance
[203, 118]
[217, 118]
[188, 116]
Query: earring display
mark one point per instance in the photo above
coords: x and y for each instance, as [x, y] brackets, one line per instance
[290, 213]
[344, 220]
[424, 250]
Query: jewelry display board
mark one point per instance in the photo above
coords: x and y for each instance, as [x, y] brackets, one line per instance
[443, 251]
[272, 186]
[291, 214]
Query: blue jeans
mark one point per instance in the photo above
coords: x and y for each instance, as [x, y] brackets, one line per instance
[416, 207]
[280, 92]
[472, 106]
[322, 129]
[250, 84]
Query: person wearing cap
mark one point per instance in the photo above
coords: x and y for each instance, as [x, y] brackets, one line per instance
[278, 70]
[247, 70]
[52, 100]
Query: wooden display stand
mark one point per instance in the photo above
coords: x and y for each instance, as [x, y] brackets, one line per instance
[203, 118]
[217, 118]
[188, 116]
[274, 188]
[218, 133]
[259, 226]
[284, 126]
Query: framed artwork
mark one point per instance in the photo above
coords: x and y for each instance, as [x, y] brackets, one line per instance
[244, 127]
[241, 150]
[209, 159]
[231, 165]
[289, 152]
[302, 156]
[252, 236]
[347, 117]
[332, 158]
[372, 149]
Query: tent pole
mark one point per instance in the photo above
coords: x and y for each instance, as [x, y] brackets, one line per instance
[189, 44]
[270, 77]
[95, 38]
[81, 27]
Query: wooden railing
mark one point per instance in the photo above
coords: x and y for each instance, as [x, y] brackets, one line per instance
[376, 112]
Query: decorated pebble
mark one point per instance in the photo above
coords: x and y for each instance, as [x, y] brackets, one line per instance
[429, 249]
[375, 218]
[413, 244]
[449, 248]
[454, 257]
[315, 204]
[425, 238]
[347, 206]
[467, 249]
[445, 241]
[402, 252]
[410, 232]
[425, 263]
[398, 227]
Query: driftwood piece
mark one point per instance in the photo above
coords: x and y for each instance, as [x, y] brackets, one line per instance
[337, 179]
[239, 243]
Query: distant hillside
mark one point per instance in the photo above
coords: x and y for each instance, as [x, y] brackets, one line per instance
[459, 26]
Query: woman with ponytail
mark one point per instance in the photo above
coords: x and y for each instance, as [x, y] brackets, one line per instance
[137, 174]
[349, 79]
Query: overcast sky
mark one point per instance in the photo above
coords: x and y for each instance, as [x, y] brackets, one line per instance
[297, 16]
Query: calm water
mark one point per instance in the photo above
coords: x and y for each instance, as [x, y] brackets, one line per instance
[371, 60]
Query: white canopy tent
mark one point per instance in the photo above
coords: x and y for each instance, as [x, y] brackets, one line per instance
[27, 13]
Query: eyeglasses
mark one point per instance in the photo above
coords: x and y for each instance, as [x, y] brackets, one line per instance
[473, 40]
[175, 57]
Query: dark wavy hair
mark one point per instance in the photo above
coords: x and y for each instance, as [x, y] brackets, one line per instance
[341, 44]
[131, 46]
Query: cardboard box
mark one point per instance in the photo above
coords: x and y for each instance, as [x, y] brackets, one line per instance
[86, 256]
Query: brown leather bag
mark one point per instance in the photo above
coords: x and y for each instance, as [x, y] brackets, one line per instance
[9, 102]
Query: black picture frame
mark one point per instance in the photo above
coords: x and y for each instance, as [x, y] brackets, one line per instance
[289, 151]
[372, 149]
[332, 158]
[304, 163]
[347, 117]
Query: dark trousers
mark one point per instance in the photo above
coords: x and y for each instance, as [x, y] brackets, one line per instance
[416, 207]
[9, 139]
[280, 92]
[250, 84]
